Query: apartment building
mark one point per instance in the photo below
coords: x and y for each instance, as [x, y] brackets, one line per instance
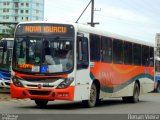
[14, 11]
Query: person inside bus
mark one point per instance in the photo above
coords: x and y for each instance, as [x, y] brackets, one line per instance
[66, 60]
[69, 57]
[48, 56]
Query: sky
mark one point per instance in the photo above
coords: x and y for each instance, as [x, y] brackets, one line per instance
[139, 19]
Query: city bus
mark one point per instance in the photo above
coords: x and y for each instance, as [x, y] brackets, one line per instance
[74, 62]
[157, 74]
[6, 46]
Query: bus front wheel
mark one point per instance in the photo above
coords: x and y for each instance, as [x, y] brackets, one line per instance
[41, 103]
[93, 97]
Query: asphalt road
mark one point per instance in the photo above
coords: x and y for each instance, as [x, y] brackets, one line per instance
[149, 104]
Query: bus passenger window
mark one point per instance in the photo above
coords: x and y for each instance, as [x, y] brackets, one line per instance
[145, 55]
[94, 47]
[106, 49]
[128, 53]
[151, 57]
[137, 54]
[118, 51]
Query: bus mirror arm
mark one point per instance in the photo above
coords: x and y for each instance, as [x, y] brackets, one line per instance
[5, 46]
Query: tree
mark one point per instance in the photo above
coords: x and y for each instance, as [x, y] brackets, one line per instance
[9, 32]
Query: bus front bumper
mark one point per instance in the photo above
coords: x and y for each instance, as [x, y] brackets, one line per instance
[42, 93]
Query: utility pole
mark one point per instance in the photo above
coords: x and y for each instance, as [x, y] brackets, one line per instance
[92, 23]
[92, 14]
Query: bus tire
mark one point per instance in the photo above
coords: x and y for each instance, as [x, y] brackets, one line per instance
[158, 87]
[136, 92]
[93, 97]
[126, 99]
[135, 97]
[41, 103]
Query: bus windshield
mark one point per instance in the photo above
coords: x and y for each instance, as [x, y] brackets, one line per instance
[5, 54]
[43, 55]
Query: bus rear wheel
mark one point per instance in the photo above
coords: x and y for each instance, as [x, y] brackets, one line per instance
[135, 97]
[41, 103]
[158, 87]
[93, 97]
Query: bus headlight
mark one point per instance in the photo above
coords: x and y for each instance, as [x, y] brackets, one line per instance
[17, 82]
[65, 83]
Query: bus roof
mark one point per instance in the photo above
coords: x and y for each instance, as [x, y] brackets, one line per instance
[93, 30]
[88, 29]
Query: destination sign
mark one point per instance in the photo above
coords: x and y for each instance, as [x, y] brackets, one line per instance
[45, 28]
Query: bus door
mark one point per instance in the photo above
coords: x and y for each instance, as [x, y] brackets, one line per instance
[3, 55]
[83, 72]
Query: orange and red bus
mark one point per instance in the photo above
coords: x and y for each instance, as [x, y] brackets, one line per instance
[54, 61]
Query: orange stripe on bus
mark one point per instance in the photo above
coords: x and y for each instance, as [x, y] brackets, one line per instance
[112, 75]
[40, 76]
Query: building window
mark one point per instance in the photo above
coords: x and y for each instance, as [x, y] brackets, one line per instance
[16, 11]
[37, 4]
[27, 18]
[6, 17]
[4, 3]
[37, 11]
[27, 4]
[3, 30]
[16, 18]
[21, 11]
[37, 18]
[5, 10]
[16, 5]
[27, 11]
[7, 3]
[22, 4]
